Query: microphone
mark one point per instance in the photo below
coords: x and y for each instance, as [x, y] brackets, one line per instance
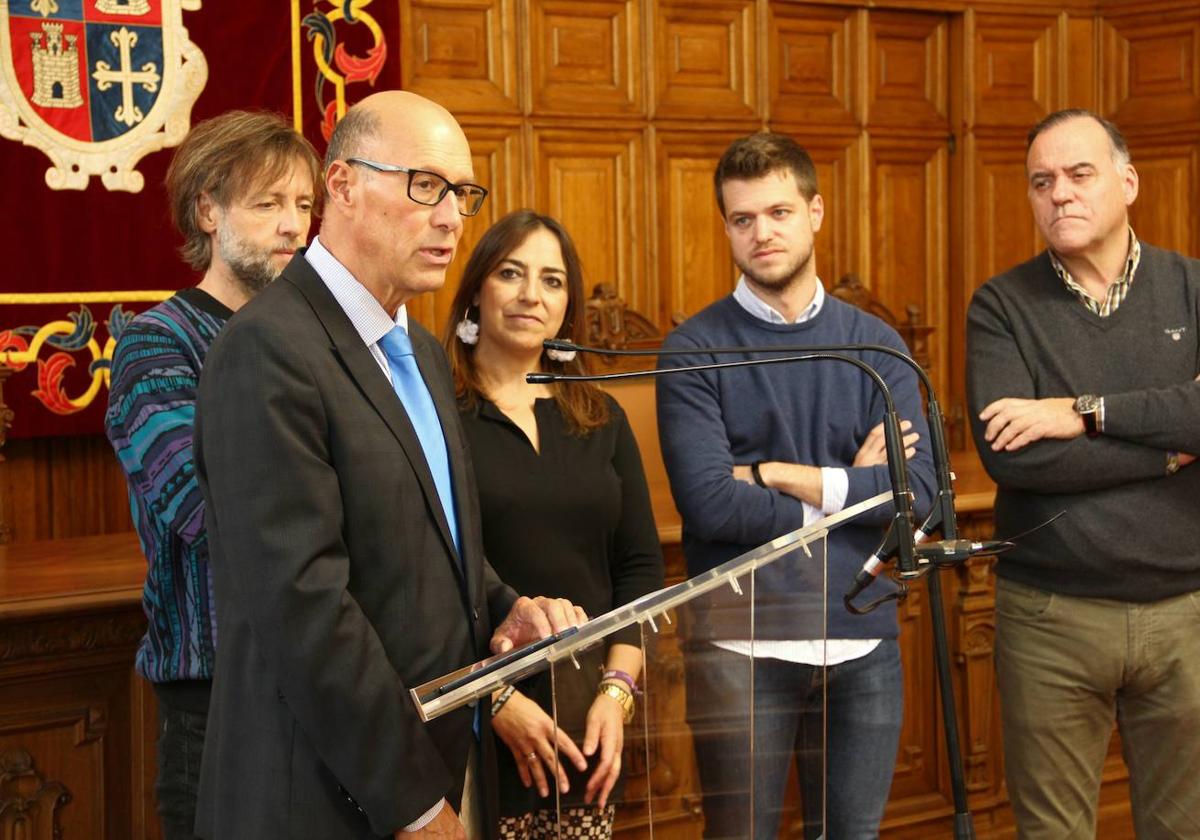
[902, 517]
[941, 516]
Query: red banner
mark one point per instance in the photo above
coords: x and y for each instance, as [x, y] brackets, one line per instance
[81, 261]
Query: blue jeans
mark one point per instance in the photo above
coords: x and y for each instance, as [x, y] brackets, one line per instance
[844, 763]
[180, 745]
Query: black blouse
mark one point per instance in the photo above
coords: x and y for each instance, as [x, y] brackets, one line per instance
[571, 521]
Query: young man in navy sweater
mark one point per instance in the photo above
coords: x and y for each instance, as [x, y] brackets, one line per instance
[757, 452]
[1081, 368]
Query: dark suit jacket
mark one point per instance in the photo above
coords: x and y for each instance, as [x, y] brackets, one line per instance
[337, 584]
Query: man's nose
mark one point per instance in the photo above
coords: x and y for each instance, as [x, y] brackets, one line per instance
[1061, 192]
[762, 228]
[291, 221]
[446, 213]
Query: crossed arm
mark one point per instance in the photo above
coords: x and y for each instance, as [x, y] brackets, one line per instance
[1007, 415]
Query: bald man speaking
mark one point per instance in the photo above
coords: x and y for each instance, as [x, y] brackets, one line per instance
[342, 514]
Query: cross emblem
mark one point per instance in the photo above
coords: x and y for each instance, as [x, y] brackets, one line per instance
[127, 112]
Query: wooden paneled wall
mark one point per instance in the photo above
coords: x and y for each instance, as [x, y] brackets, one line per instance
[610, 114]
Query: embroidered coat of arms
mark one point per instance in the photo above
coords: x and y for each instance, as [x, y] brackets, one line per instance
[97, 84]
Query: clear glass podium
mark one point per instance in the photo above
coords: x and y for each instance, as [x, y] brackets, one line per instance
[695, 745]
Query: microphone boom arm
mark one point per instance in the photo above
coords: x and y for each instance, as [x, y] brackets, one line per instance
[902, 516]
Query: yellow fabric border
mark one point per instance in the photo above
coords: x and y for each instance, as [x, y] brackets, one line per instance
[84, 297]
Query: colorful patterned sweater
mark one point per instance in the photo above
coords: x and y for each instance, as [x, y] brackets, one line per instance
[151, 409]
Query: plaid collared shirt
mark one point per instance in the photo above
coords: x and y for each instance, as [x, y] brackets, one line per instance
[1116, 292]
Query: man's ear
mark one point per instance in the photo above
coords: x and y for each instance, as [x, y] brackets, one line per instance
[816, 212]
[207, 213]
[1129, 183]
[338, 179]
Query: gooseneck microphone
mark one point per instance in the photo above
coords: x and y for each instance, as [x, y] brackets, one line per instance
[902, 517]
[941, 516]
[915, 555]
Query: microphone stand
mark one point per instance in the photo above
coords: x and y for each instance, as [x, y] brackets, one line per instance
[942, 516]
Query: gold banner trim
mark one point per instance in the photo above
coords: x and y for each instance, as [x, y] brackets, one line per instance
[84, 297]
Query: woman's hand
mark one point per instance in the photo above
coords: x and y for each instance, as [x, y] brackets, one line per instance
[531, 735]
[605, 732]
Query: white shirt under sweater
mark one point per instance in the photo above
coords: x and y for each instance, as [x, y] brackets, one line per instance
[835, 484]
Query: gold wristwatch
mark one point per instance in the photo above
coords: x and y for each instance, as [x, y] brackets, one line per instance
[621, 694]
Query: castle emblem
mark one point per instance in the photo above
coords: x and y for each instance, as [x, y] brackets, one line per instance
[55, 69]
[97, 84]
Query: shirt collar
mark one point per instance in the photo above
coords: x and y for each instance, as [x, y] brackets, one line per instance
[370, 320]
[762, 310]
[1131, 263]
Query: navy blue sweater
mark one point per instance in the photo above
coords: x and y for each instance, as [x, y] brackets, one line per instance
[816, 413]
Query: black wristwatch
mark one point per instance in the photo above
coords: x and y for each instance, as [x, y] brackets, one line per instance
[1089, 407]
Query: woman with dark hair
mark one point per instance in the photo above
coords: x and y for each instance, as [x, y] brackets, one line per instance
[566, 512]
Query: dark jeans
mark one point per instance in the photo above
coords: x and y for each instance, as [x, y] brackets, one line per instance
[844, 761]
[180, 745]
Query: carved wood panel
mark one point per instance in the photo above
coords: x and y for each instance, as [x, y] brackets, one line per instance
[695, 265]
[907, 83]
[1164, 212]
[1014, 67]
[838, 160]
[908, 213]
[63, 487]
[586, 53]
[29, 802]
[1154, 67]
[1082, 83]
[916, 774]
[596, 184]
[706, 59]
[76, 731]
[811, 56]
[461, 53]
[1004, 233]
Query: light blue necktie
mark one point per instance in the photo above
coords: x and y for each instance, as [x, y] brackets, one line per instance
[413, 393]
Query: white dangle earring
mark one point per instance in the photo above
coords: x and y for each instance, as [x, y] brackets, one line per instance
[561, 355]
[467, 330]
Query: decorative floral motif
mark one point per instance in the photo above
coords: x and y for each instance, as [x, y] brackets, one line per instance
[336, 65]
[68, 338]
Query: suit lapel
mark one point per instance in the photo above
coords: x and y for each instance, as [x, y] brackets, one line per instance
[361, 366]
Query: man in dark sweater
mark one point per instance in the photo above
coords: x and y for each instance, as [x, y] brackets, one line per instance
[758, 452]
[1081, 381]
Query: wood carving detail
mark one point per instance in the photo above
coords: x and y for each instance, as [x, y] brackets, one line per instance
[40, 639]
[853, 290]
[462, 56]
[812, 76]
[707, 60]
[1013, 59]
[586, 53]
[907, 82]
[28, 803]
[614, 326]
[1156, 68]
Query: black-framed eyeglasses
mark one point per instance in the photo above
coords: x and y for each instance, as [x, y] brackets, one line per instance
[429, 188]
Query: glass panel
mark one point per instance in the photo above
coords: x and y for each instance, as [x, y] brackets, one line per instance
[707, 736]
[699, 742]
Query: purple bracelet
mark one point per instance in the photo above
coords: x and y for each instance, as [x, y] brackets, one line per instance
[623, 677]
